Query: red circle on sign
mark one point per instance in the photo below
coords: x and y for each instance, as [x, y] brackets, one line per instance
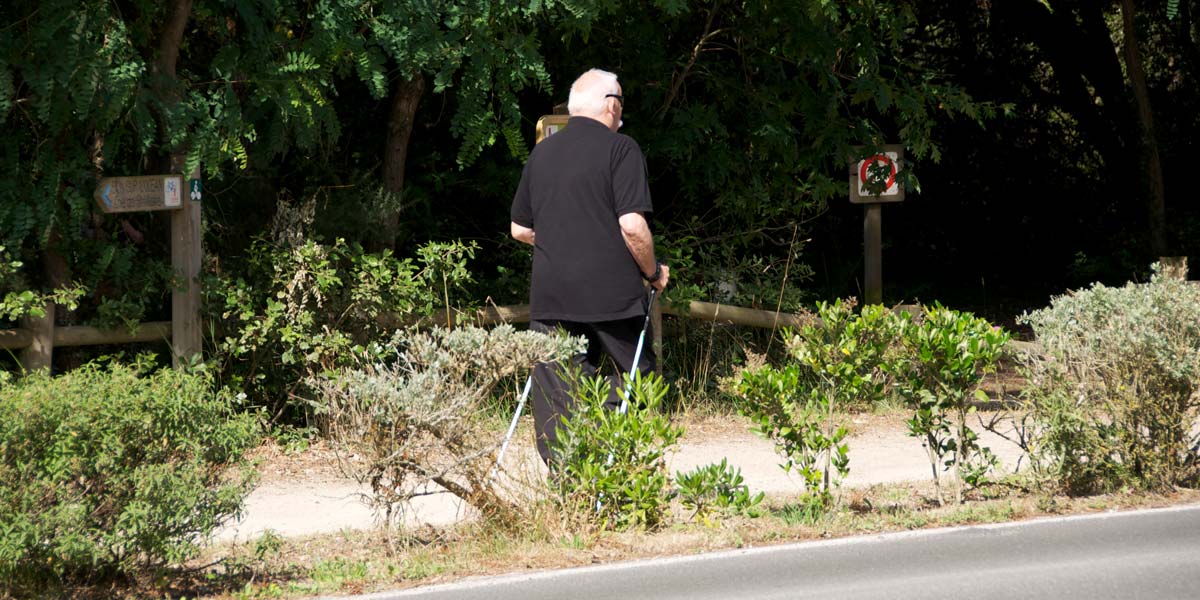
[883, 158]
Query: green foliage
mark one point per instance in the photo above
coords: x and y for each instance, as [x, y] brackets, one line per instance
[610, 467]
[849, 354]
[298, 307]
[483, 50]
[1114, 392]
[948, 354]
[413, 415]
[18, 302]
[114, 469]
[747, 111]
[716, 488]
[789, 410]
[840, 361]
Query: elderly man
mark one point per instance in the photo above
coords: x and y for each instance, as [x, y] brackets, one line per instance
[581, 204]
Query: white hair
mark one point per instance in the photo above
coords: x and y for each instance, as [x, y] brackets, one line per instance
[589, 91]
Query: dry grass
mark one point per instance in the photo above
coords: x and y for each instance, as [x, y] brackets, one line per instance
[358, 561]
[354, 561]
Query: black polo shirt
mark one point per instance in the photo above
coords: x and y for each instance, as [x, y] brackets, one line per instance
[576, 185]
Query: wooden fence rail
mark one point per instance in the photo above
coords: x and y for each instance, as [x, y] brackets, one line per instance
[37, 338]
[37, 341]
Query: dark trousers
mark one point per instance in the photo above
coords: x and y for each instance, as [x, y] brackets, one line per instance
[551, 394]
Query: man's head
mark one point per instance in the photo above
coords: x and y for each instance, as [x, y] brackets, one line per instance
[597, 95]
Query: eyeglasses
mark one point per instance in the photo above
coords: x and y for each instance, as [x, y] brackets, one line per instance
[619, 98]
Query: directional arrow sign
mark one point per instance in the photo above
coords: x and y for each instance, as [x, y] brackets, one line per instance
[146, 192]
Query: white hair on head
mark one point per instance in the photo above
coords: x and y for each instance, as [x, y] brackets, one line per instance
[588, 92]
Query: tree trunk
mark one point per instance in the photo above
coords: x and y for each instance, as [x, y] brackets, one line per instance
[1090, 86]
[1156, 200]
[402, 110]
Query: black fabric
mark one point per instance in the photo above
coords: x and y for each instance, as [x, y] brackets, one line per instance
[551, 396]
[574, 188]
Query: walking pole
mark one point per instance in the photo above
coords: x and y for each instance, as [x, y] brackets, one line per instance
[511, 427]
[637, 357]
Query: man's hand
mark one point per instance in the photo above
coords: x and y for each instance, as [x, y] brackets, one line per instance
[661, 283]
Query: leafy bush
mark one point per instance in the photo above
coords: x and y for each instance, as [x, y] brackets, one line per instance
[793, 414]
[715, 487]
[114, 469]
[299, 307]
[18, 301]
[413, 416]
[611, 467]
[840, 362]
[848, 355]
[1114, 392]
[949, 353]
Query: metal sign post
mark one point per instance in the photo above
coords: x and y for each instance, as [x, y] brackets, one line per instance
[873, 181]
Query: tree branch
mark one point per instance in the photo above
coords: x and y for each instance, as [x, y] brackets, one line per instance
[678, 78]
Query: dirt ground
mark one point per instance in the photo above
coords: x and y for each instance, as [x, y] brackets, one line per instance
[305, 493]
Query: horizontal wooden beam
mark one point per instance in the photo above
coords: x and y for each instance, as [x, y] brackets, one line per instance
[519, 313]
[14, 339]
[749, 317]
[79, 335]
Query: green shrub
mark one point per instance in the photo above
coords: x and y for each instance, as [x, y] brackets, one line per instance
[798, 419]
[114, 469]
[715, 487]
[296, 307]
[611, 467]
[840, 363]
[948, 354]
[1114, 392]
[848, 355]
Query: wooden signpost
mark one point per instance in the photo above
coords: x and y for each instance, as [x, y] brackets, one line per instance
[144, 192]
[548, 126]
[874, 181]
[169, 192]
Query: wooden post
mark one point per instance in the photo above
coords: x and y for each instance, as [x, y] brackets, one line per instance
[873, 254]
[38, 355]
[186, 257]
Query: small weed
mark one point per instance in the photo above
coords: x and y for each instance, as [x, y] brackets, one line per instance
[339, 571]
[574, 541]
[809, 511]
[421, 566]
[911, 520]
[254, 592]
[295, 440]
[1047, 503]
[979, 513]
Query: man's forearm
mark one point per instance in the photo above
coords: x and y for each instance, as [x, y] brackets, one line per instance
[521, 233]
[640, 242]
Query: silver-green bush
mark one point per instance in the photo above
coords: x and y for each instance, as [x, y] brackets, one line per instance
[417, 419]
[111, 470]
[1113, 394]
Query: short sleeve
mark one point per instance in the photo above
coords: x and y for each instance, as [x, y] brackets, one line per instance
[631, 190]
[522, 205]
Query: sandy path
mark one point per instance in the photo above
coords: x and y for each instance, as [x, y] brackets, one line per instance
[302, 495]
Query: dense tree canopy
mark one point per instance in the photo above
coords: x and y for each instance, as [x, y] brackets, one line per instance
[1046, 152]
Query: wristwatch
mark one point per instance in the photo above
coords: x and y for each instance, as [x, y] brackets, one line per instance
[657, 273]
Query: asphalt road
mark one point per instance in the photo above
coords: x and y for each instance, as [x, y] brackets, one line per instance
[1143, 554]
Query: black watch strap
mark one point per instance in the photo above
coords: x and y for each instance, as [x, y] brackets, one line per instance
[657, 273]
